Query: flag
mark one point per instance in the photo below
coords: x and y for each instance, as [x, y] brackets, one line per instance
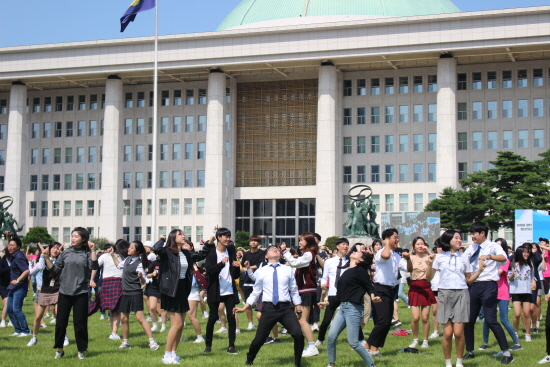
[137, 6]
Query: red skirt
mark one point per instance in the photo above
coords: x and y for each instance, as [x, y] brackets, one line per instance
[421, 294]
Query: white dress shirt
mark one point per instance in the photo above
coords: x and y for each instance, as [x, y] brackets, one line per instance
[452, 268]
[139, 268]
[298, 262]
[490, 273]
[110, 270]
[386, 269]
[329, 273]
[288, 289]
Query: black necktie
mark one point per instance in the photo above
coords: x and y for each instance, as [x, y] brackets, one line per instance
[338, 272]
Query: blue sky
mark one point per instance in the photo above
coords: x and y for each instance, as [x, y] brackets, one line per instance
[31, 22]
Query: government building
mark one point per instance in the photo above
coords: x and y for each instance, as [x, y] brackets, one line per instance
[266, 123]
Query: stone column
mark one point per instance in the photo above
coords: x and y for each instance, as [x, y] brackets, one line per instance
[111, 186]
[326, 177]
[15, 176]
[214, 198]
[447, 166]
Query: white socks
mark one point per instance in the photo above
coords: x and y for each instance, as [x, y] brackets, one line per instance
[448, 363]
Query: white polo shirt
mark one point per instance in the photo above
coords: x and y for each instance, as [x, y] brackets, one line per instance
[452, 268]
[490, 273]
[386, 269]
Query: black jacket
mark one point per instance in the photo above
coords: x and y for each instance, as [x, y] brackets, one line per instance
[170, 266]
[213, 269]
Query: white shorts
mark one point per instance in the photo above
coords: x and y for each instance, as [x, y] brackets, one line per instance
[195, 294]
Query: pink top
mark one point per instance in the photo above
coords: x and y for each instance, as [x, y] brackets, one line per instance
[546, 273]
[502, 284]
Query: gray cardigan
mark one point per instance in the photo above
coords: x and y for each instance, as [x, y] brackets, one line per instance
[74, 265]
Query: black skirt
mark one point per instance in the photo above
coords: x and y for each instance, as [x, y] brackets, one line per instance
[179, 303]
[131, 303]
[152, 290]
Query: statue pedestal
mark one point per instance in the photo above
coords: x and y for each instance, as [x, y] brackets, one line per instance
[364, 240]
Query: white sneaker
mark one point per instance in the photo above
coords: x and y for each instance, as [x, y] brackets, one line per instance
[168, 360]
[414, 344]
[154, 346]
[102, 317]
[22, 335]
[318, 343]
[114, 337]
[10, 324]
[125, 346]
[205, 315]
[310, 352]
[53, 321]
[283, 331]
[221, 330]
[148, 318]
[154, 327]
[250, 326]
[545, 360]
[315, 327]
[425, 344]
[237, 331]
[81, 355]
[14, 334]
[163, 328]
[527, 337]
[434, 335]
[47, 315]
[66, 342]
[32, 342]
[199, 339]
[3, 323]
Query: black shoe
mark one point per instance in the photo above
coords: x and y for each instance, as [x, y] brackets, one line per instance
[269, 340]
[207, 349]
[231, 350]
[507, 359]
[468, 355]
[276, 340]
[248, 363]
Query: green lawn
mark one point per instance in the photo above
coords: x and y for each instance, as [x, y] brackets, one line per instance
[103, 351]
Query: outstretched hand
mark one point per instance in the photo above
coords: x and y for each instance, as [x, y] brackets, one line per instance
[45, 251]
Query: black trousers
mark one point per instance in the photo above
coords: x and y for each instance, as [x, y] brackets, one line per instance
[283, 312]
[229, 302]
[79, 305]
[383, 312]
[484, 294]
[327, 318]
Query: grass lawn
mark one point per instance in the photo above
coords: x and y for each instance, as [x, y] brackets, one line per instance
[103, 351]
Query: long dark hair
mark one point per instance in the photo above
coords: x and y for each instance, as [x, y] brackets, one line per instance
[171, 244]
[121, 248]
[311, 244]
[140, 249]
[367, 258]
[55, 244]
[518, 256]
[85, 235]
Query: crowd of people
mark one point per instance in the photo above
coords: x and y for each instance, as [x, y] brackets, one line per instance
[453, 286]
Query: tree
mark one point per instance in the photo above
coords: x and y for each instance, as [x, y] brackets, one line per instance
[100, 242]
[241, 238]
[37, 234]
[330, 242]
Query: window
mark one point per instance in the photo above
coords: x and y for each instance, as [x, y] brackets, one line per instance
[58, 103]
[538, 138]
[418, 202]
[418, 113]
[34, 156]
[361, 145]
[188, 150]
[418, 142]
[361, 116]
[45, 182]
[361, 174]
[188, 179]
[103, 101]
[128, 127]
[177, 97]
[200, 178]
[163, 203]
[507, 109]
[150, 152]
[165, 98]
[176, 127]
[70, 103]
[202, 95]
[431, 172]
[476, 80]
[57, 182]
[127, 153]
[140, 126]
[32, 209]
[404, 202]
[389, 202]
[537, 78]
[202, 123]
[477, 167]
[389, 143]
[127, 180]
[347, 116]
[81, 128]
[44, 209]
[138, 206]
[3, 132]
[140, 153]
[189, 96]
[58, 133]
[375, 115]
[432, 112]
[68, 183]
[403, 84]
[375, 173]
[462, 111]
[347, 174]
[91, 181]
[538, 110]
[462, 171]
[227, 95]
[347, 146]
[389, 85]
[347, 88]
[200, 206]
[492, 139]
[92, 152]
[175, 207]
[403, 114]
[78, 208]
[361, 87]
[93, 128]
[492, 110]
[164, 152]
[66, 208]
[389, 172]
[35, 134]
[47, 104]
[403, 173]
[491, 80]
[389, 114]
[432, 83]
[139, 180]
[523, 138]
[477, 110]
[403, 143]
[187, 206]
[46, 132]
[375, 86]
[375, 144]
[462, 81]
[417, 84]
[462, 141]
[189, 124]
[228, 121]
[46, 156]
[80, 181]
[477, 140]
[81, 102]
[522, 108]
[201, 150]
[164, 125]
[507, 139]
[163, 179]
[68, 155]
[93, 101]
[199, 233]
[522, 78]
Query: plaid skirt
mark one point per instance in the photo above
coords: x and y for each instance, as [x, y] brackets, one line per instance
[109, 296]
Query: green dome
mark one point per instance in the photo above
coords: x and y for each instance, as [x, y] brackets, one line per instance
[253, 11]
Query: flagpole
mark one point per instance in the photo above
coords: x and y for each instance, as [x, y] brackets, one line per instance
[155, 132]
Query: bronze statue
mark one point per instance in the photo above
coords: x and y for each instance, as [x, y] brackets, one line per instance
[8, 224]
[361, 214]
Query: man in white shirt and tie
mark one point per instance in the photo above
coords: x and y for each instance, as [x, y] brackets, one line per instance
[281, 303]
[331, 274]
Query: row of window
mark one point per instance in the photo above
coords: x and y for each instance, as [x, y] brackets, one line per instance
[79, 183]
[507, 109]
[82, 129]
[163, 207]
[389, 173]
[389, 144]
[375, 85]
[165, 179]
[388, 114]
[507, 139]
[490, 79]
